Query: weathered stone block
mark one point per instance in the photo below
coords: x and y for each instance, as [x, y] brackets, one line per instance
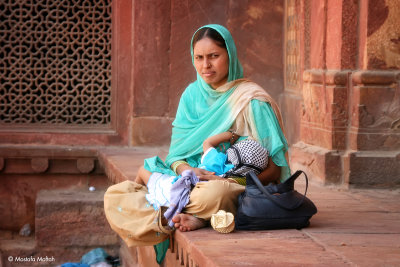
[129, 257]
[359, 169]
[85, 165]
[375, 111]
[374, 168]
[39, 165]
[139, 256]
[325, 109]
[18, 193]
[72, 218]
[151, 131]
[320, 164]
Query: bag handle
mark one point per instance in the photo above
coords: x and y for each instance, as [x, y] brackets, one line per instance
[271, 197]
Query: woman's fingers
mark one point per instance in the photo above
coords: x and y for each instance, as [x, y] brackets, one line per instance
[205, 172]
[200, 172]
[208, 177]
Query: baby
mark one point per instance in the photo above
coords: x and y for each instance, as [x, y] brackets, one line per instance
[240, 158]
[173, 192]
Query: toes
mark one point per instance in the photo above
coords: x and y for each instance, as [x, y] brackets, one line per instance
[176, 218]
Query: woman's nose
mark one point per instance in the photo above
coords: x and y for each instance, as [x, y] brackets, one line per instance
[206, 63]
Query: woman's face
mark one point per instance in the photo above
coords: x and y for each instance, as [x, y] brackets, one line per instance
[211, 62]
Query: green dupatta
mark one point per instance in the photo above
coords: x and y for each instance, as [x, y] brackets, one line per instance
[204, 111]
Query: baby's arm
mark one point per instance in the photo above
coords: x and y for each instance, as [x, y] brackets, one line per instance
[215, 140]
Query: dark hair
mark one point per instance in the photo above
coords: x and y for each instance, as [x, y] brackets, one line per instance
[209, 33]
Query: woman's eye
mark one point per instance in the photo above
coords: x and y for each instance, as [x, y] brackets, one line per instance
[214, 55]
[198, 57]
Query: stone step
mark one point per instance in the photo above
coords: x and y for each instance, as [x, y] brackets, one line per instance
[23, 251]
[72, 218]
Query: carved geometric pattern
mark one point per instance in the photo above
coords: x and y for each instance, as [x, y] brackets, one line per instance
[292, 46]
[55, 62]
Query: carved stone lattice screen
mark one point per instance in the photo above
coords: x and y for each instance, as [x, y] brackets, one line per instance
[55, 62]
[292, 46]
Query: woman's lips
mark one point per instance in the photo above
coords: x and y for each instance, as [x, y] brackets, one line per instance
[208, 74]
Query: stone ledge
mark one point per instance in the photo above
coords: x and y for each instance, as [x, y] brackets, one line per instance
[25, 247]
[340, 77]
[23, 151]
[347, 168]
[330, 77]
[121, 164]
[371, 77]
[205, 247]
[320, 164]
[367, 212]
[366, 168]
[72, 218]
[17, 159]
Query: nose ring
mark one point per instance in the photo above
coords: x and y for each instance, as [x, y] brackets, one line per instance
[209, 65]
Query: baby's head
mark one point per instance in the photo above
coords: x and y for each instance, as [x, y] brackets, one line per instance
[247, 155]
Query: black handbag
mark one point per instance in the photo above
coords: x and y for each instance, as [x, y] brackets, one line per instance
[275, 206]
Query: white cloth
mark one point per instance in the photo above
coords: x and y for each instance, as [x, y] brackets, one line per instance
[159, 188]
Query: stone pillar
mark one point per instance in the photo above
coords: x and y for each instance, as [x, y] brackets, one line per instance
[349, 130]
[374, 131]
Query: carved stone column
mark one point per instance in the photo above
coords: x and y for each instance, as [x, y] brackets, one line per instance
[349, 94]
[374, 129]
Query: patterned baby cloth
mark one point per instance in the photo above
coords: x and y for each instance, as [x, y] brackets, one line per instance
[247, 155]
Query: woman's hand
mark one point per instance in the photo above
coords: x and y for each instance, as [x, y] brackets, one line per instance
[199, 172]
[271, 174]
[202, 172]
[209, 177]
[212, 177]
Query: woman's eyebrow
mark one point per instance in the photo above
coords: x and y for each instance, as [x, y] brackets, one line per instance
[212, 53]
[207, 55]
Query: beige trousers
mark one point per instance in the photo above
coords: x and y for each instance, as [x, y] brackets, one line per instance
[138, 224]
[207, 198]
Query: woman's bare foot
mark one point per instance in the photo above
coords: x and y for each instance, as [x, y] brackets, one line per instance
[186, 222]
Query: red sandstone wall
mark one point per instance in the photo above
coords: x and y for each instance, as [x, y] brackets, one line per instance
[350, 94]
[345, 101]
[151, 66]
[162, 61]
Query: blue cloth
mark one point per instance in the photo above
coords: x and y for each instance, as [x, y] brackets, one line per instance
[215, 161]
[180, 192]
[71, 264]
[94, 256]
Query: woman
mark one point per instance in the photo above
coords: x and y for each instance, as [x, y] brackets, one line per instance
[218, 101]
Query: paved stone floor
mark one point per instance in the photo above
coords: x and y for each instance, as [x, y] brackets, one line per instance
[354, 227]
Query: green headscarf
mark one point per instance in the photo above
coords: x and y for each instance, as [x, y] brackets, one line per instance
[204, 111]
[235, 68]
